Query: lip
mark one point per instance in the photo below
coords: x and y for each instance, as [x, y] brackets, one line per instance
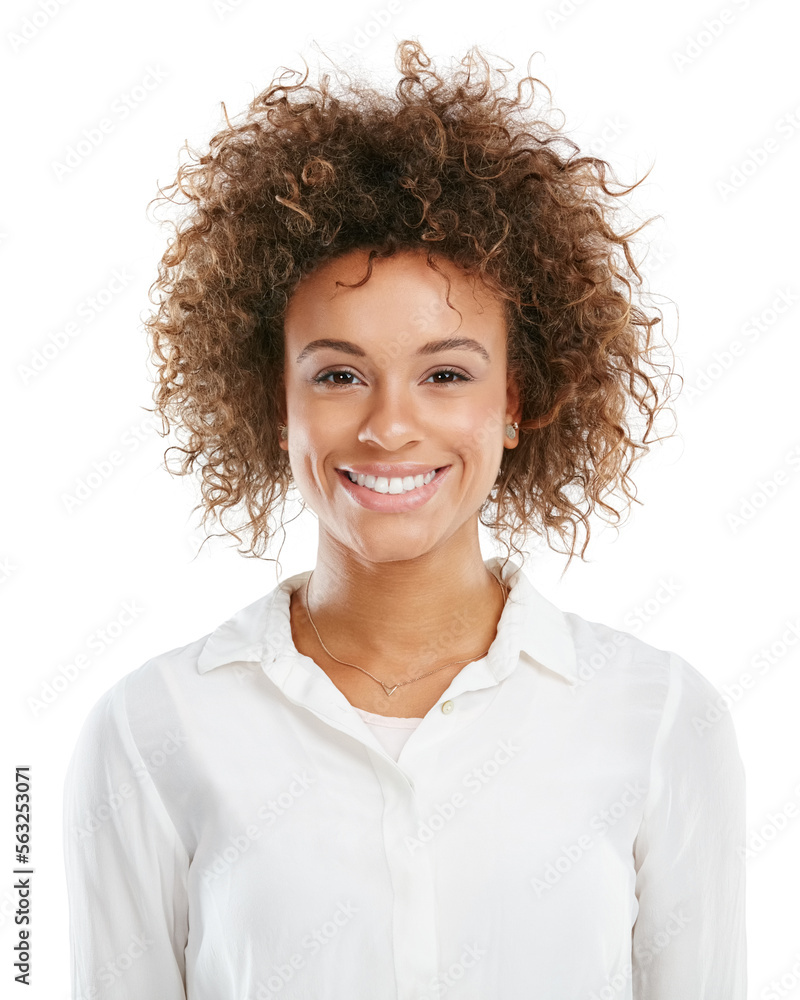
[394, 502]
[390, 469]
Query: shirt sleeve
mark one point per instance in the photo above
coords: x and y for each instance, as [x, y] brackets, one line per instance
[689, 853]
[126, 867]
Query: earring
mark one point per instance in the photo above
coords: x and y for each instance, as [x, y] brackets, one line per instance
[284, 432]
[511, 429]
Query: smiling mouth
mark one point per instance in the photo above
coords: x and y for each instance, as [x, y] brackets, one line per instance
[393, 484]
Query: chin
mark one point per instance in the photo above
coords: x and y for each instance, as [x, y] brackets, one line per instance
[390, 544]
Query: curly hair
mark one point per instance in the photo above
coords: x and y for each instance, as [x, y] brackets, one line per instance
[447, 165]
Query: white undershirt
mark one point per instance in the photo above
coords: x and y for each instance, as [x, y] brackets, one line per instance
[390, 731]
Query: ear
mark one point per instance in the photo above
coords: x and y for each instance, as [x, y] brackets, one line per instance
[513, 407]
[513, 397]
[282, 419]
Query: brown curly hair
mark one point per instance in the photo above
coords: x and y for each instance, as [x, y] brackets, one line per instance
[448, 165]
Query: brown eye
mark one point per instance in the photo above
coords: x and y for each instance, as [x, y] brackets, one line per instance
[322, 378]
[459, 376]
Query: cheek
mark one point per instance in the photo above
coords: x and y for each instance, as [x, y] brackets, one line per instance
[481, 435]
[315, 436]
[306, 455]
[480, 455]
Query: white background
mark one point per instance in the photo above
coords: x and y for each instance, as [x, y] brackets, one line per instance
[711, 101]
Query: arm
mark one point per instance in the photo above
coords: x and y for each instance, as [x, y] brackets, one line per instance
[689, 934]
[126, 868]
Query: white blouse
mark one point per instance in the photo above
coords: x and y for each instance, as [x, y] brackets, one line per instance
[566, 823]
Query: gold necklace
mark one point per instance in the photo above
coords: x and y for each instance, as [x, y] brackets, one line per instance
[386, 688]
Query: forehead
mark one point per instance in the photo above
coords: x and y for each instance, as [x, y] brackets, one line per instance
[402, 291]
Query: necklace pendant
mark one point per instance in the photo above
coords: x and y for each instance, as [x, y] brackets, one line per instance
[389, 690]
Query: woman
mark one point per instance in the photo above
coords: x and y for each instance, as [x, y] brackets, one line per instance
[405, 773]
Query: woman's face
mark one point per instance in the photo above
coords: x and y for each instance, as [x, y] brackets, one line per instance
[365, 391]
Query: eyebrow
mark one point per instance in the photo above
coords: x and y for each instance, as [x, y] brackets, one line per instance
[432, 347]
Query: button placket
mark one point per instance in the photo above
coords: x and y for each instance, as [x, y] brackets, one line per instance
[416, 939]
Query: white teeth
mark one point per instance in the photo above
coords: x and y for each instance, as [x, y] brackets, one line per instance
[397, 484]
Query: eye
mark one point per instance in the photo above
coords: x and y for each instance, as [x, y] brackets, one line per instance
[459, 376]
[323, 377]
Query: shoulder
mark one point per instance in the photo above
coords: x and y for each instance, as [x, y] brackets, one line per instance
[642, 696]
[197, 685]
[197, 688]
[622, 664]
[142, 708]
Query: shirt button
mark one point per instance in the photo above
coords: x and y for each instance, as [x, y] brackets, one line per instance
[447, 707]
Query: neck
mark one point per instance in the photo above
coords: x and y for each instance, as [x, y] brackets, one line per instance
[404, 615]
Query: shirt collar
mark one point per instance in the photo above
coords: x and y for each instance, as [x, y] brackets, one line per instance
[530, 623]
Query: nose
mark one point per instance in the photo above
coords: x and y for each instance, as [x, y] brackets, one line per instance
[391, 420]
